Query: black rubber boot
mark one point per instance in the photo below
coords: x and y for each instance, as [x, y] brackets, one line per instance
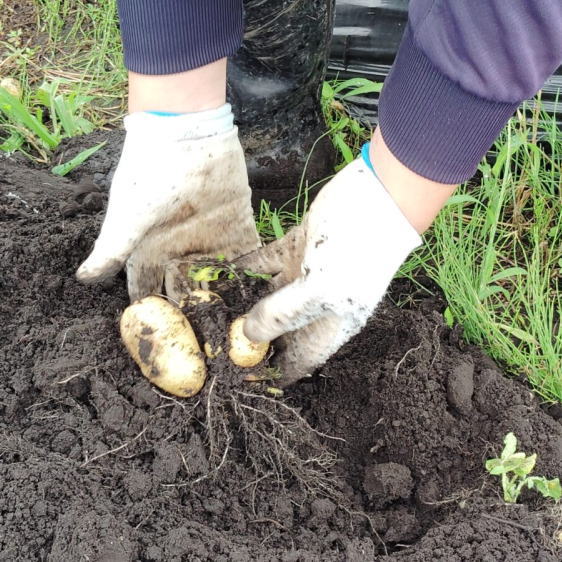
[274, 84]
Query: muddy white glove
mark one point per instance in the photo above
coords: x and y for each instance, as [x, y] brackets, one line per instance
[333, 269]
[180, 190]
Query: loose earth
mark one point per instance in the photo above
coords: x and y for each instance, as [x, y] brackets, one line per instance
[380, 456]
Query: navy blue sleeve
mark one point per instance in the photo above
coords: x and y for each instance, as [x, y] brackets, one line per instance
[461, 71]
[170, 36]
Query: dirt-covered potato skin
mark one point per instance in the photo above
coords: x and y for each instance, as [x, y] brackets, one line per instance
[244, 352]
[162, 343]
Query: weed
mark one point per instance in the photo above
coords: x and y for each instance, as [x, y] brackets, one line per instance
[78, 43]
[496, 248]
[67, 167]
[272, 224]
[36, 129]
[206, 272]
[514, 468]
[347, 134]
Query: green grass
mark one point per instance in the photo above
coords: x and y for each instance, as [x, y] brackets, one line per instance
[496, 252]
[77, 46]
[70, 74]
[347, 134]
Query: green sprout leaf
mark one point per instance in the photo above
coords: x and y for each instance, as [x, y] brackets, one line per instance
[514, 467]
[205, 274]
[510, 445]
[548, 488]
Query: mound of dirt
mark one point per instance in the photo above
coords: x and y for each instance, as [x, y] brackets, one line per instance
[378, 457]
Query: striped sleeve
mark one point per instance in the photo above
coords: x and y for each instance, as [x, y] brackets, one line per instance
[461, 71]
[170, 36]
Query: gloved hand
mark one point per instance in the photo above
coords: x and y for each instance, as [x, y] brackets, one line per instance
[180, 190]
[331, 271]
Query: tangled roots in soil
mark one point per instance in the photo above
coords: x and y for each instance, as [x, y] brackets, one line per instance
[273, 438]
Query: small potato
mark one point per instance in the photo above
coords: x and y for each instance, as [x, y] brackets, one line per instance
[161, 341]
[199, 296]
[244, 352]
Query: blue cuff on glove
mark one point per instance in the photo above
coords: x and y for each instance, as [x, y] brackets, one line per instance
[164, 113]
[367, 159]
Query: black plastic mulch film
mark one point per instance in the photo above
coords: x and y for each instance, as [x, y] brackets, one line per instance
[365, 40]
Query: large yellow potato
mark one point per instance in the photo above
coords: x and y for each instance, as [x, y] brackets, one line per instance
[244, 352]
[161, 341]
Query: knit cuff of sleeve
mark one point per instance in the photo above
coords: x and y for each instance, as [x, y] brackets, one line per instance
[433, 126]
[172, 36]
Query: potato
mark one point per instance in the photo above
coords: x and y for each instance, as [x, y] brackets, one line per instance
[244, 352]
[199, 296]
[161, 341]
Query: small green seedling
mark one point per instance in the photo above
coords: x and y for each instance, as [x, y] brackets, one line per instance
[514, 468]
[207, 273]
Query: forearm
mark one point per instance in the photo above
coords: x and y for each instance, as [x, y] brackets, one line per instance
[419, 198]
[184, 92]
[175, 51]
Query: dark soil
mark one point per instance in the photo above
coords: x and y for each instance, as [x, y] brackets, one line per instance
[378, 457]
[19, 18]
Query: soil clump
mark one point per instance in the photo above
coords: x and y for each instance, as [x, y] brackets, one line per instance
[380, 456]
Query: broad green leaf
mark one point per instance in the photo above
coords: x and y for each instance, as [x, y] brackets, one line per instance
[72, 124]
[548, 488]
[495, 466]
[554, 488]
[525, 466]
[355, 127]
[341, 124]
[63, 169]
[510, 445]
[208, 273]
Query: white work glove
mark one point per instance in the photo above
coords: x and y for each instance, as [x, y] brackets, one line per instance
[333, 270]
[180, 190]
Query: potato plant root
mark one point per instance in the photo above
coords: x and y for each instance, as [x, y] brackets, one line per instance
[379, 457]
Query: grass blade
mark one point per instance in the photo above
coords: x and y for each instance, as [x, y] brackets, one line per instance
[67, 167]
